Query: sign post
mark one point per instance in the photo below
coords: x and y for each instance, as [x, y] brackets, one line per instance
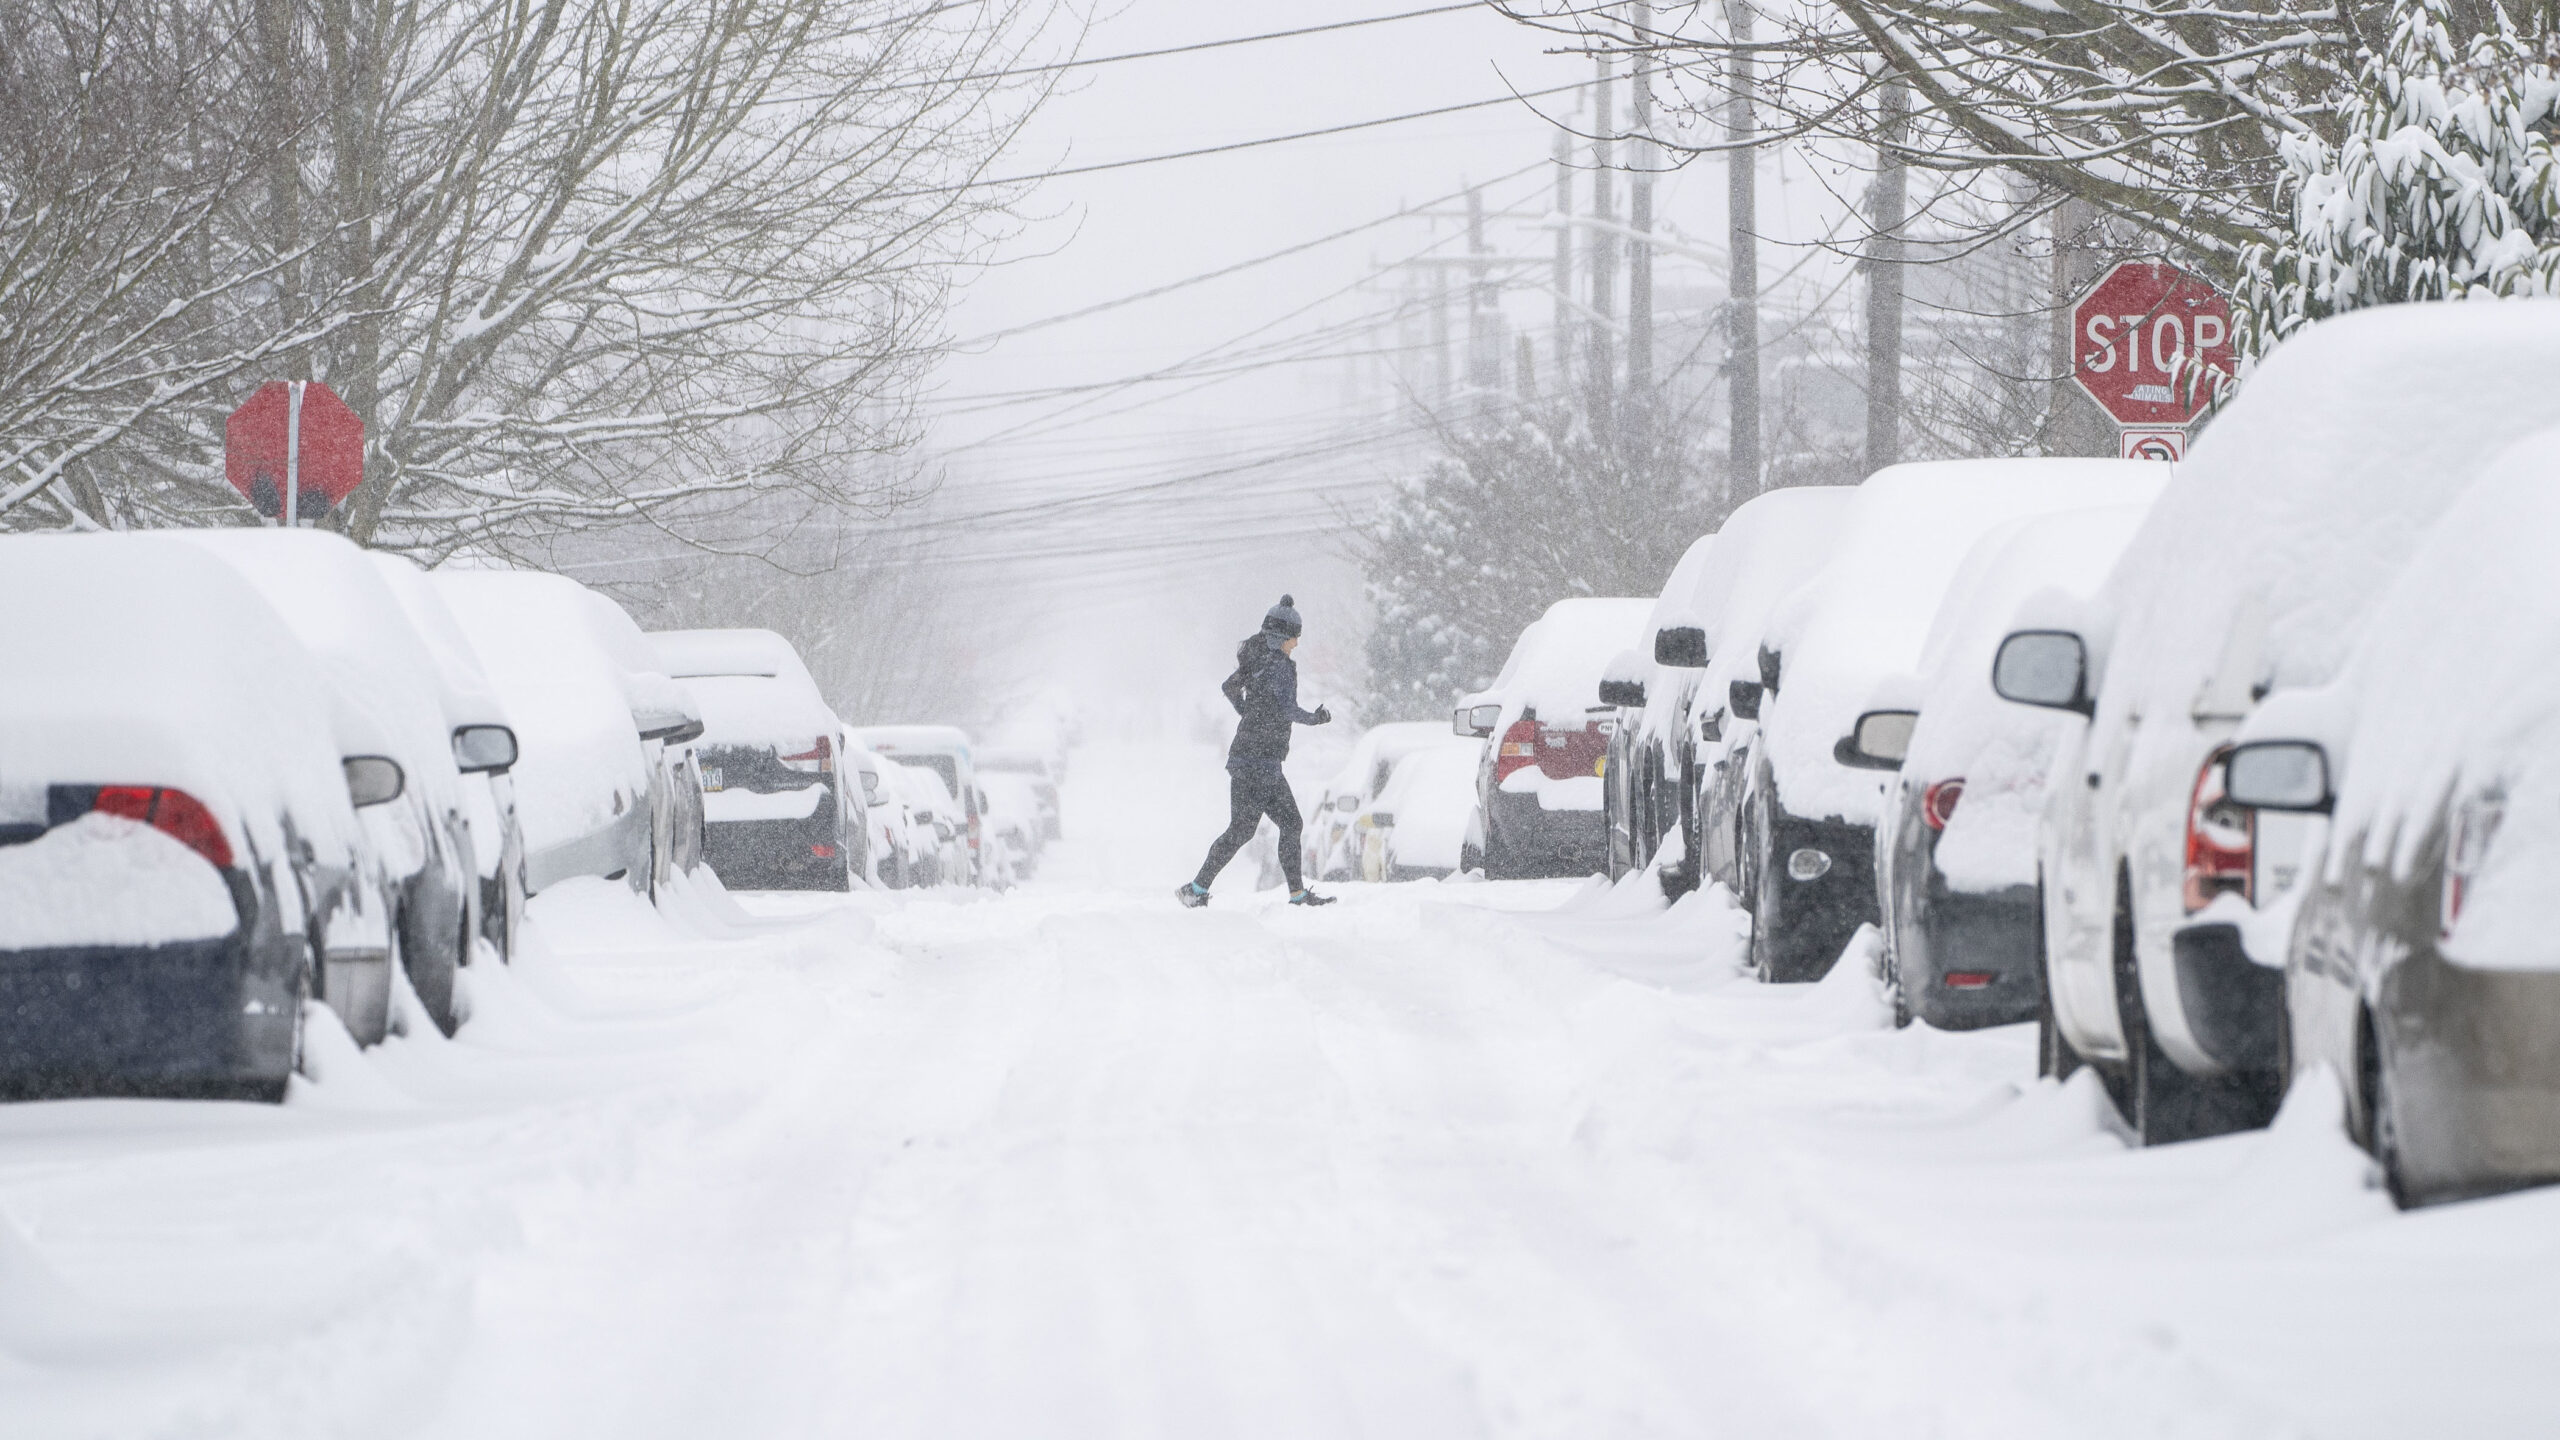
[2152, 345]
[294, 450]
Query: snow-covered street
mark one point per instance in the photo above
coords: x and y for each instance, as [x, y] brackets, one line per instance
[1075, 1162]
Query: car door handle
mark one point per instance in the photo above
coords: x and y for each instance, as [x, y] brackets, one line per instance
[2093, 779]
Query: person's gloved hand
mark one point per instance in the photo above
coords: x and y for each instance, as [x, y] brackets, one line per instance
[1323, 716]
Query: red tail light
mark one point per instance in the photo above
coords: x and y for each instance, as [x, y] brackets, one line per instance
[1971, 979]
[2474, 823]
[823, 852]
[1518, 749]
[172, 812]
[819, 758]
[1938, 803]
[2221, 839]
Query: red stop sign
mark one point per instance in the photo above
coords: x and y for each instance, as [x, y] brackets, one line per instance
[257, 445]
[2139, 337]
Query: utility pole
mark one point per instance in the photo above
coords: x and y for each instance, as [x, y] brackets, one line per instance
[1742, 254]
[1484, 317]
[1888, 204]
[1604, 252]
[1640, 397]
[1443, 373]
[1564, 262]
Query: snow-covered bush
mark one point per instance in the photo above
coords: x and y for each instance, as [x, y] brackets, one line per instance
[2442, 188]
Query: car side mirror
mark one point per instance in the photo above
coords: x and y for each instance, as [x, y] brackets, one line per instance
[1770, 664]
[2279, 775]
[373, 779]
[675, 733]
[1680, 646]
[1623, 693]
[1346, 803]
[1477, 720]
[870, 788]
[1712, 728]
[1743, 699]
[2049, 668]
[484, 749]
[1878, 741]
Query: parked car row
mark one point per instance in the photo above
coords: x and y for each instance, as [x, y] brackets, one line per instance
[2225, 774]
[242, 770]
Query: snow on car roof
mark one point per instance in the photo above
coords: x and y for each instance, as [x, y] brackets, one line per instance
[912, 739]
[751, 685]
[470, 696]
[1762, 552]
[1388, 742]
[579, 746]
[156, 663]
[343, 610]
[1554, 667]
[2298, 504]
[2452, 691]
[1866, 614]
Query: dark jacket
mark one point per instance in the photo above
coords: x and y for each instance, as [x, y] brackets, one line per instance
[1264, 691]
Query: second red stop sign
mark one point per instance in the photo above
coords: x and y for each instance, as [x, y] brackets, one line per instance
[2134, 334]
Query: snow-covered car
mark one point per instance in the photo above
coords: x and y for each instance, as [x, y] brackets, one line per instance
[1038, 771]
[2290, 515]
[890, 849]
[1333, 826]
[2421, 968]
[941, 820]
[484, 748]
[1417, 826]
[1538, 785]
[1809, 814]
[1956, 842]
[345, 613]
[945, 750]
[177, 833]
[1762, 553]
[1015, 819]
[776, 815]
[605, 778]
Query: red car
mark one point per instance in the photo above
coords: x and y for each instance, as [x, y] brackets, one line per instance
[1539, 791]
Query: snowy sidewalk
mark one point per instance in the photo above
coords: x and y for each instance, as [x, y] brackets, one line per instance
[1443, 1160]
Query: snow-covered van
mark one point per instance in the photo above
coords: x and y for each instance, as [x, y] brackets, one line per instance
[2288, 518]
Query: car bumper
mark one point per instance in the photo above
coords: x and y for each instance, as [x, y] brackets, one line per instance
[1535, 840]
[2231, 1004]
[1809, 921]
[2475, 1076]
[192, 1019]
[1970, 936]
[774, 855]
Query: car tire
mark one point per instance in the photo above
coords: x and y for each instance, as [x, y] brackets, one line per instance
[434, 979]
[2381, 1117]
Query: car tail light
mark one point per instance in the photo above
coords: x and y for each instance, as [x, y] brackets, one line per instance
[174, 813]
[1938, 802]
[823, 852]
[2473, 825]
[1518, 750]
[818, 759]
[2221, 839]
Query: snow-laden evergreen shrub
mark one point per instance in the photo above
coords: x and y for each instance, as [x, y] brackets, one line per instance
[1513, 515]
[2443, 187]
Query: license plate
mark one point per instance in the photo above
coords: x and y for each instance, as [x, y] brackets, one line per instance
[710, 777]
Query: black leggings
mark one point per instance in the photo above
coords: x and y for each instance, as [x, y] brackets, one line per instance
[1250, 796]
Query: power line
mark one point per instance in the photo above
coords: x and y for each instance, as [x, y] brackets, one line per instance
[1234, 145]
[1192, 49]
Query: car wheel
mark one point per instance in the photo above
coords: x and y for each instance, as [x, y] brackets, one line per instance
[2381, 1118]
[431, 975]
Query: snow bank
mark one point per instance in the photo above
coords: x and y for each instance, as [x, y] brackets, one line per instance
[2001, 751]
[1865, 617]
[141, 659]
[107, 880]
